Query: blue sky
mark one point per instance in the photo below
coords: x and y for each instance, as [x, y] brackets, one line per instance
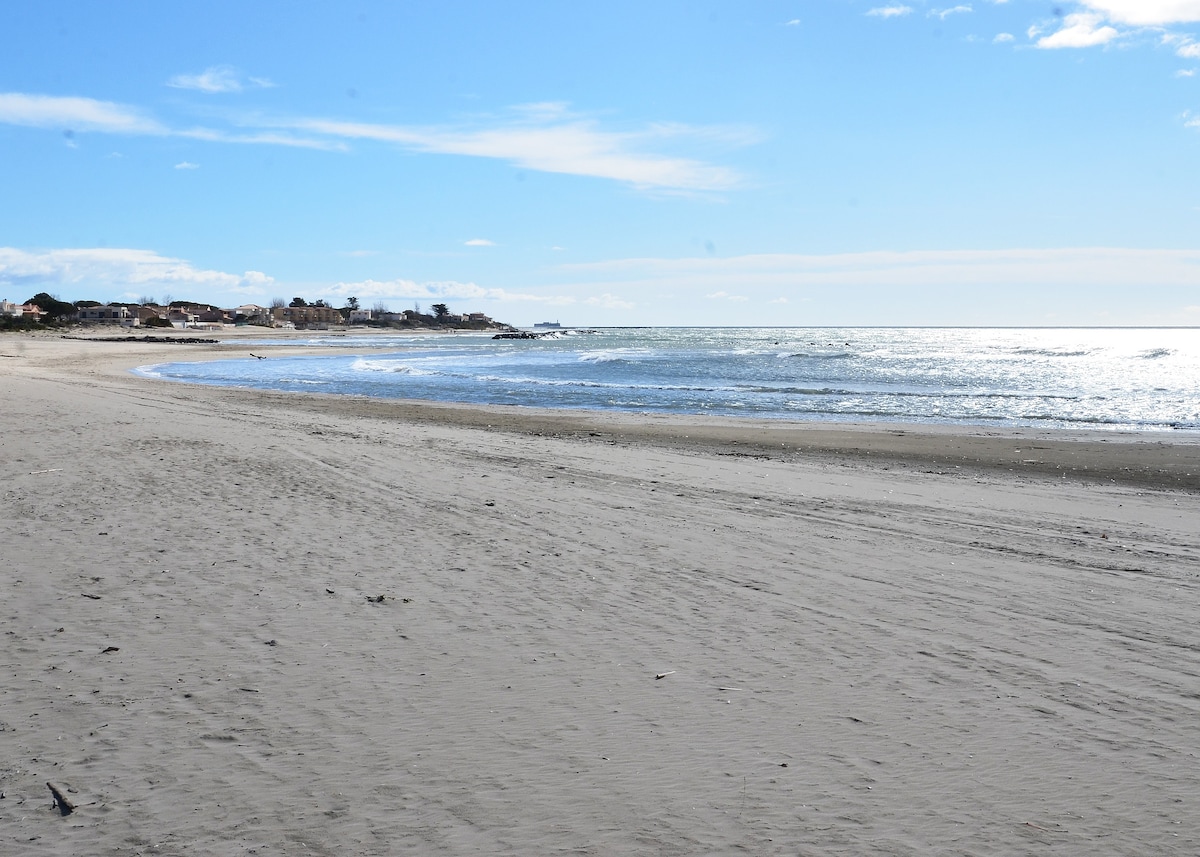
[793, 163]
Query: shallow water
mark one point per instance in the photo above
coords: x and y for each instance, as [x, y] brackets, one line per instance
[1126, 378]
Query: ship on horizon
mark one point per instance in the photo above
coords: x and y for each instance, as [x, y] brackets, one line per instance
[548, 325]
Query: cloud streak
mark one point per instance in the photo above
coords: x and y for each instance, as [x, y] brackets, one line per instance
[553, 145]
[1080, 30]
[1147, 13]
[112, 268]
[1100, 266]
[79, 114]
[889, 11]
[217, 79]
[542, 137]
[403, 289]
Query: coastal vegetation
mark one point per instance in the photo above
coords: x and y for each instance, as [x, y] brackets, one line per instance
[46, 311]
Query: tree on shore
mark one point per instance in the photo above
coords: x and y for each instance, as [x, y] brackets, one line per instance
[440, 311]
[52, 306]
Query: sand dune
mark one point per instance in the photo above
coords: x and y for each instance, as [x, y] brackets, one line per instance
[886, 641]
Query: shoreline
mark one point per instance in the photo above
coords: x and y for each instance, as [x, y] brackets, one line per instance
[1151, 459]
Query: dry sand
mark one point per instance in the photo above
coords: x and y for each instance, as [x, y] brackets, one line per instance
[870, 641]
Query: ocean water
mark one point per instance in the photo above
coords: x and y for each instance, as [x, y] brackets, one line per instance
[1118, 378]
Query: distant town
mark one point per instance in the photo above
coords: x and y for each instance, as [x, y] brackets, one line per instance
[44, 310]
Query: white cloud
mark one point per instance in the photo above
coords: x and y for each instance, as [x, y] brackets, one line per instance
[557, 145]
[945, 13]
[717, 278]
[795, 22]
[1147, 13]
[725, 296]
[88, 114]
[80, 114]
[479, 242]
[1003, 37]
[187, 165]
[1080, 30]
[1186, 72]
[1191, 50]
[217, 78]
[607, 301]
[260, 138]
[542, 137]
[402, 289]
[889, 11]
[108, 268]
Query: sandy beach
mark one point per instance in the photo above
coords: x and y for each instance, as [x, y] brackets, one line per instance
[239, 622]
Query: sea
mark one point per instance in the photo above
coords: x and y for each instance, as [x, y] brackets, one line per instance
[1127, 379]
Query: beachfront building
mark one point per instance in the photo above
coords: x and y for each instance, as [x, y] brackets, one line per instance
[182, 318]
[108, 314]
[20, 310]
[307, 316]
[361, 316]
[253, 314]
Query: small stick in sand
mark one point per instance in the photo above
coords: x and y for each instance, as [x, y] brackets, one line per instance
[60, 800]
[658, 676]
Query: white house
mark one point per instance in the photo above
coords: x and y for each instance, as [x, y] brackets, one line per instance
[121, 315]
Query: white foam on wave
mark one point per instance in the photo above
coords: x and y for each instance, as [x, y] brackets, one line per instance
[365, 365]
[612, 355]
[151, 370]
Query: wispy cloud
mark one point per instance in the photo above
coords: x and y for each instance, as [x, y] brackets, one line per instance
[1185, 45]
[261, 139]
[187, 165]
[1147, 13]
[607, 301]
[479, 242]
[544, 137]
[80, 114]
[1079, 30]
[218, 78]
[943, 14]
[403, 289]
[889, 11]
[77, 114]
[717, 277]
[549, 142]
[1003, 37]
[1093, 23]
[114, 268]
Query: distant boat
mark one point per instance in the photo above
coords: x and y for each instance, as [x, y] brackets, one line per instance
[549, 325]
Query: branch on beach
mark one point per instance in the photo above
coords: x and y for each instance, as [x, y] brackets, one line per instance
[60, 800]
